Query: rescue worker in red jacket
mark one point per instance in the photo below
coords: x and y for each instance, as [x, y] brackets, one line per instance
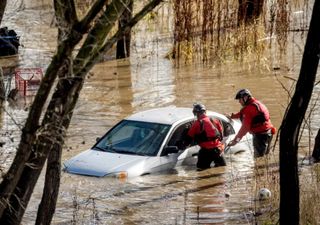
[255, 119]
[208, 135]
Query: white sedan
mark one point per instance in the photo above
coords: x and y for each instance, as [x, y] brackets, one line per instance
[148, 142]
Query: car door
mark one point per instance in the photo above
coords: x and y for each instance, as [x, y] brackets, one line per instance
[178, 139]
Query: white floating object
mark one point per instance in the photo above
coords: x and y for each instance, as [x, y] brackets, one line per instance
[264, 194]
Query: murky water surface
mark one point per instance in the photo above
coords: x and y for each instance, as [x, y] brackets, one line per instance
[116, 89]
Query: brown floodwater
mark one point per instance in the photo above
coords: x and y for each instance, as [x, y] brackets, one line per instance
[116, 89]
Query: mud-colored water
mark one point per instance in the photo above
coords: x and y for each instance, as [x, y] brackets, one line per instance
[116, 89]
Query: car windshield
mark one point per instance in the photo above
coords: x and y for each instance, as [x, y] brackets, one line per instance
[134, 137]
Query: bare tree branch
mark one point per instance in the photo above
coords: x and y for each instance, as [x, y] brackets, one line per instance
[65, 13]
[95, 57]
[99, 32]
[84, 24]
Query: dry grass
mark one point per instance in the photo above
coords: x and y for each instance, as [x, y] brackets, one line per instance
[211, 32]
[310, 197]
[267, 212]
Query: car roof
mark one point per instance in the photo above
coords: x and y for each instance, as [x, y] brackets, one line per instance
[167, 115]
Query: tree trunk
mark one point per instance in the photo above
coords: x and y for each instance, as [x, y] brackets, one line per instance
[53, 173]
[249, 10]
[123, 45]
[19, 199]
[290, 127]
[2, 89]
[51, 190]
[316, 148]
[28, 135]
[3, 4]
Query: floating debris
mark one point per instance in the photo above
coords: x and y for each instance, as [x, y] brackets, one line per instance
[264, 194]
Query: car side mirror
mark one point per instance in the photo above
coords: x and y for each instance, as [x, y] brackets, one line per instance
[98, 139]
[170, 150]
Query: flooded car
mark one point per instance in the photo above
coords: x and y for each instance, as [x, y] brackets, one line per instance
[148, 142]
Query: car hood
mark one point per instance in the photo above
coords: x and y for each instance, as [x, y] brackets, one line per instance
[99, 163]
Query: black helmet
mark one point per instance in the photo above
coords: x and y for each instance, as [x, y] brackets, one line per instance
[198, 108]
[242, 93]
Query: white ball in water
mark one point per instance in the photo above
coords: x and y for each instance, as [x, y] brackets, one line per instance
[264, 194]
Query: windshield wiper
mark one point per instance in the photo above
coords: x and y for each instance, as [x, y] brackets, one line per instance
[107, 149]
[129, 152]
[99, 148]
[140, 153]
[125, 151]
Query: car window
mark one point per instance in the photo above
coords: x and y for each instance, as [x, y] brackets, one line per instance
[179, 136]
[134, 137]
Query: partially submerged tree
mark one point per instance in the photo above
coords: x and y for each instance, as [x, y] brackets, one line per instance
[249, 10]
[316, 148]
[2, 89]
[43, 139]
[123, 44]
[290, 127]
[3, 4]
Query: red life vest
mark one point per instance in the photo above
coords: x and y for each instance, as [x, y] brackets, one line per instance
[262, 115]
[255, 119]
[260, 118]
[206, 132]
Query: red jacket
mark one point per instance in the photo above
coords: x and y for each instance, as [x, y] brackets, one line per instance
[212, 133]
[255, 118]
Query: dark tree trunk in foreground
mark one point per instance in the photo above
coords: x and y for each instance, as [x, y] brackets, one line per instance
[316, 148]
[290, 127]
[123, 45]
[50, 193]
[3, 4]
[2, 89]
[249, 10]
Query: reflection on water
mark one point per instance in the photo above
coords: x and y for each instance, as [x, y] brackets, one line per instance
[116, 89]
